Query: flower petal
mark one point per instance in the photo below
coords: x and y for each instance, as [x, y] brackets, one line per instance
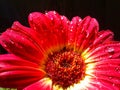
[84, 31]
[17, 76]
[103, 37]
[7, 60]
[59, 26]
[102, 85]
[106, 70]
[53, 28]
[73, 27]
[43, 84]
[108, 50]
[18, 41]
[16, 72]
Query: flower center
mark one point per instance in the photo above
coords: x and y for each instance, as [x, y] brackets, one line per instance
[65, 68]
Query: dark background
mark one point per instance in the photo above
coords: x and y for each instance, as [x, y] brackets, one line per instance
[107, 12]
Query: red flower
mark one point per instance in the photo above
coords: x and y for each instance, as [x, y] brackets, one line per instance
[58, 54]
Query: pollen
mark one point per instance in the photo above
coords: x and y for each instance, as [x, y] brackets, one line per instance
[65, 68]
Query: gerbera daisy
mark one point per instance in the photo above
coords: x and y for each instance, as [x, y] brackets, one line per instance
[57, 54]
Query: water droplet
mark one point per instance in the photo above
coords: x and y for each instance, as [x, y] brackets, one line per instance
[100, 86]
[67, 22]
[54, 12]
[110, 50]
[71, 30]
[113, 84]
[71, 27]
[100, 36]
[11, 31]
[5, 45]
[62, 18]
[71, 22]
[51, 18]
[23, 38]
[80, 20]
[117, 69]
[110, 56]
[110, 77]
[34, 28]
[12, 42]
[87, 35]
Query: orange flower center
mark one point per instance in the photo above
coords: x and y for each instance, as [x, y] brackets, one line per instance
[65, 68]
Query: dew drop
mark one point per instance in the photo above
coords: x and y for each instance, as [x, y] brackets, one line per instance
[100, 86]
[5, 45]
[51, 18]
[100, 36]
[110, 77]
[62, 18]
[23, 38]
[12, 42]
[110, 56]
[110, 50]
[80, 20]
[34, 28]
[54, 12]
[87, 35]
[117, 69]
[113, 84]
[71, 30]
[71, 22]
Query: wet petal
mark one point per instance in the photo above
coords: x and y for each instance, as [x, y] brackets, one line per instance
[59, 25]
[105, 51]
[49, 33]
[52, 26]
[17, 76]
[102, 37]
[21, 43]
[102, 85]
[7, 60]
[85, 31]
[72, 30]
[43, 84]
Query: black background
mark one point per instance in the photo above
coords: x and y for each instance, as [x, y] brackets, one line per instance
[107, 12]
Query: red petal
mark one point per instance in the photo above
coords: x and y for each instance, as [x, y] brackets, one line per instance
[83, 32]
[73, 27]
[106, 58]
[8, 60]
[18, 41]
[52, 26]
[105, 51]
[39, 22]
[90, 26]
[102, 85]
[19, 76]
[43, 84]
[103, 37]
[58, 27]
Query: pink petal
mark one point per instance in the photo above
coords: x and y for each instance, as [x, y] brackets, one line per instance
[43, 84]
